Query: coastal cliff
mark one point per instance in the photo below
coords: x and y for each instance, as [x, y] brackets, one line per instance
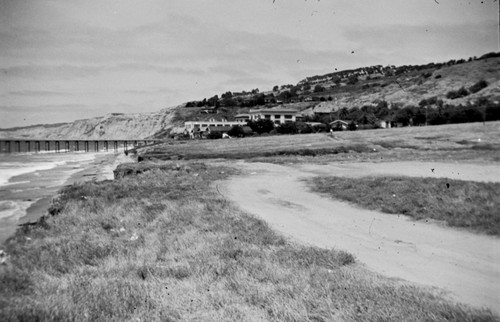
[112, 126]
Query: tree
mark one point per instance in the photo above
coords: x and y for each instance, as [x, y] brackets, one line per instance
[319, 88]
[213, 101]
[420, 116]
[202, 103]
[261, 126]
[352, 126]
[236, 131]
[294, 90]
[227, 95]
[381, 110]
[303, 128]
[404, 116]
[287, 128]
[261, 99]
[343, 113]
[276, 88]
[284, 95]
[229, 102]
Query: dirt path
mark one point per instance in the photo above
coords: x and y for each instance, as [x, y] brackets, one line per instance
[465, 265]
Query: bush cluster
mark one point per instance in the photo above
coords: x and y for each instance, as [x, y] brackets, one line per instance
[478, 86]
[461, 92]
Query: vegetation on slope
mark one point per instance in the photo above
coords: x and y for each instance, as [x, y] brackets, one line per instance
[164, 245]
[466, 204]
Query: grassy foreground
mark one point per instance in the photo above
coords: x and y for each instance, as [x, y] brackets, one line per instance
[467, 204]
[164, 245]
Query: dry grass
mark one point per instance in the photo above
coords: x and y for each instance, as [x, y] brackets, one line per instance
[472, 141]
[164, 245]
[466, 204]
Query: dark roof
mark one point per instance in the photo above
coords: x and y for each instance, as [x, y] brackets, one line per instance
[247, 129]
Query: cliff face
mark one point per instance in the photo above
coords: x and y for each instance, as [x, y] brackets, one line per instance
[112, 126]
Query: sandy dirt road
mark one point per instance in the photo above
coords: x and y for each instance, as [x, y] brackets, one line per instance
[465, 266]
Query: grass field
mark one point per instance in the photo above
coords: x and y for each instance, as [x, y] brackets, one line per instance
[164, 245]
[473, 141]
[466, 204]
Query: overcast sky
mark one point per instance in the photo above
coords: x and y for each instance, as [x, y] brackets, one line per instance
[62, 60]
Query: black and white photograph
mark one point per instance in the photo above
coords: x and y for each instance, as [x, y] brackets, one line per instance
[238, 160]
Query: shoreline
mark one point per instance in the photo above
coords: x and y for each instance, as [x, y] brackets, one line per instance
[98, 168]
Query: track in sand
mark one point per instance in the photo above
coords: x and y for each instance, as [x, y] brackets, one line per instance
[466, 266]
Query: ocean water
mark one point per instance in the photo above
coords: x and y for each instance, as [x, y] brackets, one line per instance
[28, 178]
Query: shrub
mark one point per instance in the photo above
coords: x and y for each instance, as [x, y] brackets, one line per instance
[423, 102]
[287, 128]
[478, 86]
[214, 135]
[462, 92]
[236, 131]
[319, 88]
[352, 126]
[261, 126]
[353, 79]
[303, 128]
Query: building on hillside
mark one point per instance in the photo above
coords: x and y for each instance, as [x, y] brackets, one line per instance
[339, 124]
[278, 116]
[203, 125]
[242, 118]
[209, 109]
[385, 124]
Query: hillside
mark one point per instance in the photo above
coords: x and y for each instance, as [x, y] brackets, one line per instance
[428, 85]
[412, 85]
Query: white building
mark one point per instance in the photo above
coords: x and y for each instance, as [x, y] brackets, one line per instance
[277, 116]
[204, 125]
